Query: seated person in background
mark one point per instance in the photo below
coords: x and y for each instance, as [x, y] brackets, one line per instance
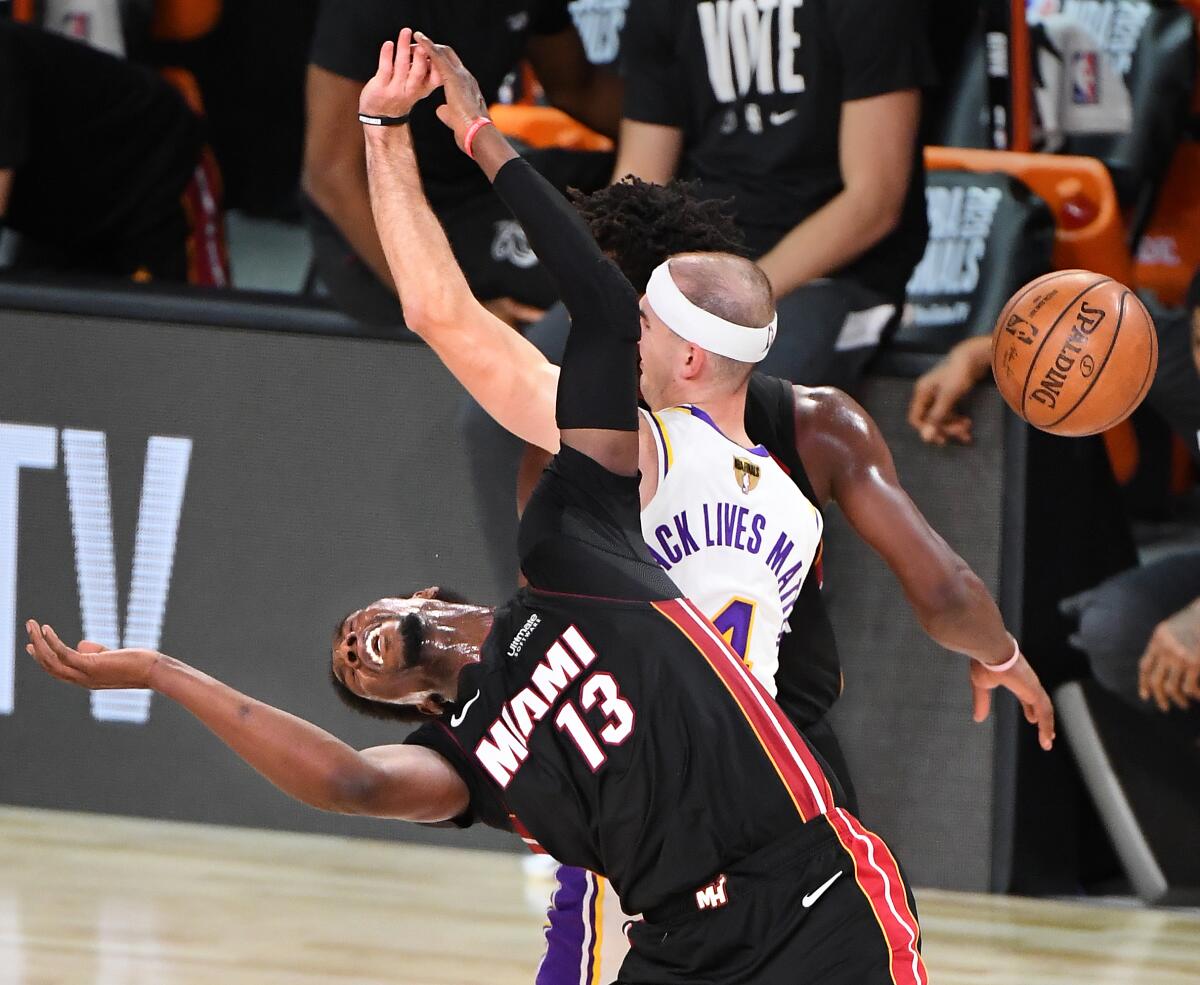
[815, 145]
[1141, 629]
[935, 413]
[102, 166]
[493, 36]
[813, 132]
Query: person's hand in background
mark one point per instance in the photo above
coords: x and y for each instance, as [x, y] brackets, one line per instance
[1169, 671]
[934, 409]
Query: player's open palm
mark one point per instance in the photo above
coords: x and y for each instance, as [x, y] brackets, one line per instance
[404, 77]
[1023, 682]
[89, 665]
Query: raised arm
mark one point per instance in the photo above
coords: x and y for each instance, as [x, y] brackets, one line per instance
[949, 599]
[505, 374]
[410, 783]
[596, 405]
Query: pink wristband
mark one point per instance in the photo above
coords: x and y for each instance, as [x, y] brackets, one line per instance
[1008, 664]
[472, 130]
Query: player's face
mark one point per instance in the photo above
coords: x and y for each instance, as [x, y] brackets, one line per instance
[661, 351]
[409, 651]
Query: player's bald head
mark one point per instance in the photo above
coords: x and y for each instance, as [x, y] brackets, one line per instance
[730, 287]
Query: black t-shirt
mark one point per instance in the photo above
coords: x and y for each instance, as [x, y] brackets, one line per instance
[488, 35]
[759, 101]
[624, 736]
[101, 149]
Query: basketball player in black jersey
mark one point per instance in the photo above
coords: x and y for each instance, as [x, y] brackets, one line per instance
[596, 710]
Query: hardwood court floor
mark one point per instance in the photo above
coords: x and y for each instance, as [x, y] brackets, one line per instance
[88, 900]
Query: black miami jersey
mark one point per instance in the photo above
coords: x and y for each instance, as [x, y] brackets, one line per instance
[621, 733]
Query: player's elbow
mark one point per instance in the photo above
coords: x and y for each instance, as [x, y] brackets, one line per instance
[327, 179]
[352, 790]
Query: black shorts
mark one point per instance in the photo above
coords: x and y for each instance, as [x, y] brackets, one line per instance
[826, 905]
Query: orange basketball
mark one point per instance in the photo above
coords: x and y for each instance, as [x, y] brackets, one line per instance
[1074, 352]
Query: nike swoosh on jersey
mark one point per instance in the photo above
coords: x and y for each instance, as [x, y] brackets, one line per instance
[817, 893]
[457, 720]
[779, 119]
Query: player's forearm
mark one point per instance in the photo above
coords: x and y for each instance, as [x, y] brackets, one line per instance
[6, 180]
[430, 283]
[957, 611]
[302, 760]
[439, 306]
[835, 235]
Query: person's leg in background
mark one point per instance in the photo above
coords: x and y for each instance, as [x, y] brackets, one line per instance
[828, 332]
[1117, 619]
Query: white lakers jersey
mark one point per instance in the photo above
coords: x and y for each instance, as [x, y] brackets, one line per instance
[733, 530]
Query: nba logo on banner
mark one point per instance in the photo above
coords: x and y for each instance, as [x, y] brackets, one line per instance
[1085, 78]
[77, 25]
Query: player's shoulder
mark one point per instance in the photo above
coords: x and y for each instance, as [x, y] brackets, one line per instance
[829, 412]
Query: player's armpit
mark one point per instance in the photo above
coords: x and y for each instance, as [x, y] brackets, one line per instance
[409, 783]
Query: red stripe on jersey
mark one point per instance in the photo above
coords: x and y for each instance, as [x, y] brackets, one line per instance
[797, 769]
[523, 833]
[878, 876]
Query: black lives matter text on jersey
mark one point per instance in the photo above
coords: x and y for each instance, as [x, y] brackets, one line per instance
[505, 747]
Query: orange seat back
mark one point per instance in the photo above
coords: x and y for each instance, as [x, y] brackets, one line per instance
[1089, 231]
[545, 126]
[184, 20]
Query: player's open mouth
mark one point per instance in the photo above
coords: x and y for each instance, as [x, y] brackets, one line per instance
[373, 643]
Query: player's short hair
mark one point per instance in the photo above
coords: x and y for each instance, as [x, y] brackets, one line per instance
[731, 287]
[639, 225]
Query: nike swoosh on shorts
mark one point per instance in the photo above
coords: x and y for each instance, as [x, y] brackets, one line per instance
[817, 893]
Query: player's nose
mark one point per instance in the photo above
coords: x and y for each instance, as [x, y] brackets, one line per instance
[349, 648]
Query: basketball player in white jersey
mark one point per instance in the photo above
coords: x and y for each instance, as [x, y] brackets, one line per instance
[732, 529]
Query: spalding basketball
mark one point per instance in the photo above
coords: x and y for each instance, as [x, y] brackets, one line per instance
[1074, 352]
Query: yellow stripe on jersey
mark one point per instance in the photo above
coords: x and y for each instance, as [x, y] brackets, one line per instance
[666, 440]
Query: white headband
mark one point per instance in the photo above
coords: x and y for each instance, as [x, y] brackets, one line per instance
[709, 331]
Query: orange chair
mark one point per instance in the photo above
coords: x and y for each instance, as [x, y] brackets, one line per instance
[535, 124]
[1089, 232]
[184, 20]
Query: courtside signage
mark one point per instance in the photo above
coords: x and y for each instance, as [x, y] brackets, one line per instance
[84, 461]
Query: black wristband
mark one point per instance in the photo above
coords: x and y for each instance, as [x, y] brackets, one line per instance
[383, 121]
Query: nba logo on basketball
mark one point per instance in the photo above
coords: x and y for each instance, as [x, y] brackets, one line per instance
[1085, 78]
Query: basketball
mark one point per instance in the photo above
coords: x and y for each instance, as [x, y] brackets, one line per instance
[1074, 352]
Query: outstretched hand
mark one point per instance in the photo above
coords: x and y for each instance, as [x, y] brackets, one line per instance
[89, 665]
[404, 77]
[464, 100]
[1023, 682]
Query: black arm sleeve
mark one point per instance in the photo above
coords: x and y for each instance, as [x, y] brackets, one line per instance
[598, 384]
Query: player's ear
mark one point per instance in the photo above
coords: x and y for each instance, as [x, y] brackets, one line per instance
[427, 593]
[431, 704]
[694, 362]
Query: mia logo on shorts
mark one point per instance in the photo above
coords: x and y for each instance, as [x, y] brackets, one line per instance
[712, 896]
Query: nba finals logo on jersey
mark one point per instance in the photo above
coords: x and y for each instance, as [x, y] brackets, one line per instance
[746, 473]
[712, 896]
